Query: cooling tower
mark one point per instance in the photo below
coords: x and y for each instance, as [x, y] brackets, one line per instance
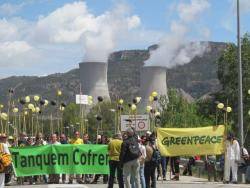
[93, 77]
[152, 78]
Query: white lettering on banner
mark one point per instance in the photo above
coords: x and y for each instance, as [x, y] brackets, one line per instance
[140, 122]
[82, 99]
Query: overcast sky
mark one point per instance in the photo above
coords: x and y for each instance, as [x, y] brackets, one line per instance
[40, 37]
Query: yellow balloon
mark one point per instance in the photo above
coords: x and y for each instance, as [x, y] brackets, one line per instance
[157, 114]
[121, 101]
[138, 99]
[90, 98]
[220, 106]
[62, 108]
[33, 110]
[46, 102]
[25, 113]
[4, 116]
[15, 110]
[31, 106]
[154, 94]
[27, 99]
[90, 102]
[36, 98]
[133, 107]
[248, 91]
[148, 108]
[59, 93]
[229, 109]
[1, 105]
[151, 98]
[37, 109]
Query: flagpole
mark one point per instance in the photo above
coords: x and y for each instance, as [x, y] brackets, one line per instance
[240, 95]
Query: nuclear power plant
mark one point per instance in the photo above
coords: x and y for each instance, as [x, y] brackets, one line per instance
[93, 78]
[152, 78]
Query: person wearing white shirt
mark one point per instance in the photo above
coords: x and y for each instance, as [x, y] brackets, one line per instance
[232, 157]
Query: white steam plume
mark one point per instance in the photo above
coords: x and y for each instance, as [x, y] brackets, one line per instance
[74, 23]
[174, 49]
[99, 43]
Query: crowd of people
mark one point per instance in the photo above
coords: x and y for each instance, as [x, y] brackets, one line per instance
[134, 160]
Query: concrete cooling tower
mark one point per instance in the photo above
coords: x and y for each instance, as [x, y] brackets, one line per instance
[152, 78]
[93, 78]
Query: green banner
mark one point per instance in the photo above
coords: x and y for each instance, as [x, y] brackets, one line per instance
[60, 159]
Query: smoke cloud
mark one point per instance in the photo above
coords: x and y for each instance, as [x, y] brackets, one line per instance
[75, 23]
[109, 27]
[174, 48]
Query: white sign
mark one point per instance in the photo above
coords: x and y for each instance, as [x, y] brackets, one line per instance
[140, 122]
[82, 99]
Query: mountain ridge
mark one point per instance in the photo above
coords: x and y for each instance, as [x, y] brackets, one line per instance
[196, 78]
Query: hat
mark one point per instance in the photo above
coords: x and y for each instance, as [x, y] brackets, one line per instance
[148, 132]
[11, 138]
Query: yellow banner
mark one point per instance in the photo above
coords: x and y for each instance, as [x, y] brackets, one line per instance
[191, 141]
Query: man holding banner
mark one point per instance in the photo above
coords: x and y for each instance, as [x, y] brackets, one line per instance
[76, 141]
[54, 178]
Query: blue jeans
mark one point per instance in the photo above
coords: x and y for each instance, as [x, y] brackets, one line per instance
[142, 178]
[164, 166]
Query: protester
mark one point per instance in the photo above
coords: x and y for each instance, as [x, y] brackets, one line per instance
[129, 158]
[63, 140]
[232, 157]
[188, 167]
[211, 167]
[4, 152]
[152, 160]
[101, 139]
[39, 141]
[76, 141]
[142, 161]
[176, 162]
[8, 174]
[22, 141]
[86, 139]
[114, 149]
[244, 162]
[31, 179]
[54, 178]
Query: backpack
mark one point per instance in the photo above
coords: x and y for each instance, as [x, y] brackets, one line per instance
[134, 150]
[5, 160]
[156, 157]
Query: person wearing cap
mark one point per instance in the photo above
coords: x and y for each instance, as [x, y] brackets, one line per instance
[114, 149]
[129, 158]
[232, 157]
[3, 149]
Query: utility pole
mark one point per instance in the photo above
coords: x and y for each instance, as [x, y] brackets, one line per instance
[240, 95]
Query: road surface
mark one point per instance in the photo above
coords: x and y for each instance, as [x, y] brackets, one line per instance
[185, 182]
